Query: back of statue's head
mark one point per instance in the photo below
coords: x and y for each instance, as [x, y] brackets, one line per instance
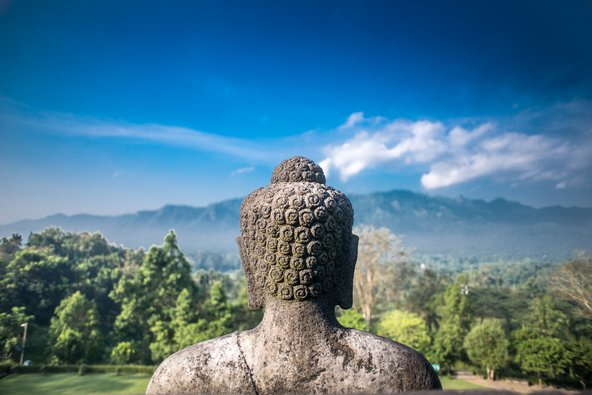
[296, 236]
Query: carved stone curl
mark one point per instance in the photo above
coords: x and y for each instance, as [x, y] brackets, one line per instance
[298, 169]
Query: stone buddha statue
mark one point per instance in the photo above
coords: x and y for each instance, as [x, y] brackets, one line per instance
[298, 253]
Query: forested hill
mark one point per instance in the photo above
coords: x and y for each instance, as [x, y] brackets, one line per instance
[432, 225]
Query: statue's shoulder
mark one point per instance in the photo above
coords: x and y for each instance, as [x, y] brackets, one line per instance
[216, 365]
[401, 366]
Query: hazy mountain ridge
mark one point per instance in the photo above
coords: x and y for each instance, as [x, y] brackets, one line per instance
[432, 225]
[475, 227]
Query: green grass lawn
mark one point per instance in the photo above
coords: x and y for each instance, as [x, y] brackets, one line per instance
[73, 384]
[449, 383]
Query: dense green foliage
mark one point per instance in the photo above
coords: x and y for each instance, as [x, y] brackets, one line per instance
[352, 319]
[405, 327]
[74, 334]
[10, 328]
[87, 301]
[487, 346]
[484, 314]
[541, 341]
[454, 325]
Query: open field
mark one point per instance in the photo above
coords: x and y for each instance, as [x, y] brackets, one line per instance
[73, 384]
[91, 384]
[451, 383]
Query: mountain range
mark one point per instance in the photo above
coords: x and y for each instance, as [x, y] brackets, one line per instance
[430, 224]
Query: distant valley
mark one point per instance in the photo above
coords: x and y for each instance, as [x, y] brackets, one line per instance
[431, 225]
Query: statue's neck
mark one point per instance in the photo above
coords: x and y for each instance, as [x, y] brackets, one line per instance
[295, 319]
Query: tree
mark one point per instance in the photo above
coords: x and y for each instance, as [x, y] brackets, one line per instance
[123, 353]
[187, 327]
[74, 246]
[544, 356]
[352, 319]
[455, 323]
[11, 332]
[487, 346]
[216, 314]
[49, 240]
[97, 276]
[540, 343]
[9, 247]
[407, 328]
[572, 281]
[243, 318]
[38, 282]
[216, 307]
[162, 344]
[422, 297]
[579, 352]
[148, 297]
[74, 334]
[379, 253]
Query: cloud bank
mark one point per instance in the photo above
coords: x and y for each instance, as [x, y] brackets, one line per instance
[551, 144]
[446, 155]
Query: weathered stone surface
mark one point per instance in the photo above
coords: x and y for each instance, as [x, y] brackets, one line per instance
[298, 254]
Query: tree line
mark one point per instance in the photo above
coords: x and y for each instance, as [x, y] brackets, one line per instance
[539, 327]
[88, 301]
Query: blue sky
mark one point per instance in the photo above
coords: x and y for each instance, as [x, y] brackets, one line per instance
[113, 107]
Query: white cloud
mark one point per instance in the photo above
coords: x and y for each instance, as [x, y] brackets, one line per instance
[262, 151]
[527, 157]
[377, 142]
[453, 154]
[242, 170]
[172, 135]
[459, 136]
[353, 119]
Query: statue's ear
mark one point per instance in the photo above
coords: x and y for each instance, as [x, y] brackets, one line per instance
[255, 296]
[345, 290]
